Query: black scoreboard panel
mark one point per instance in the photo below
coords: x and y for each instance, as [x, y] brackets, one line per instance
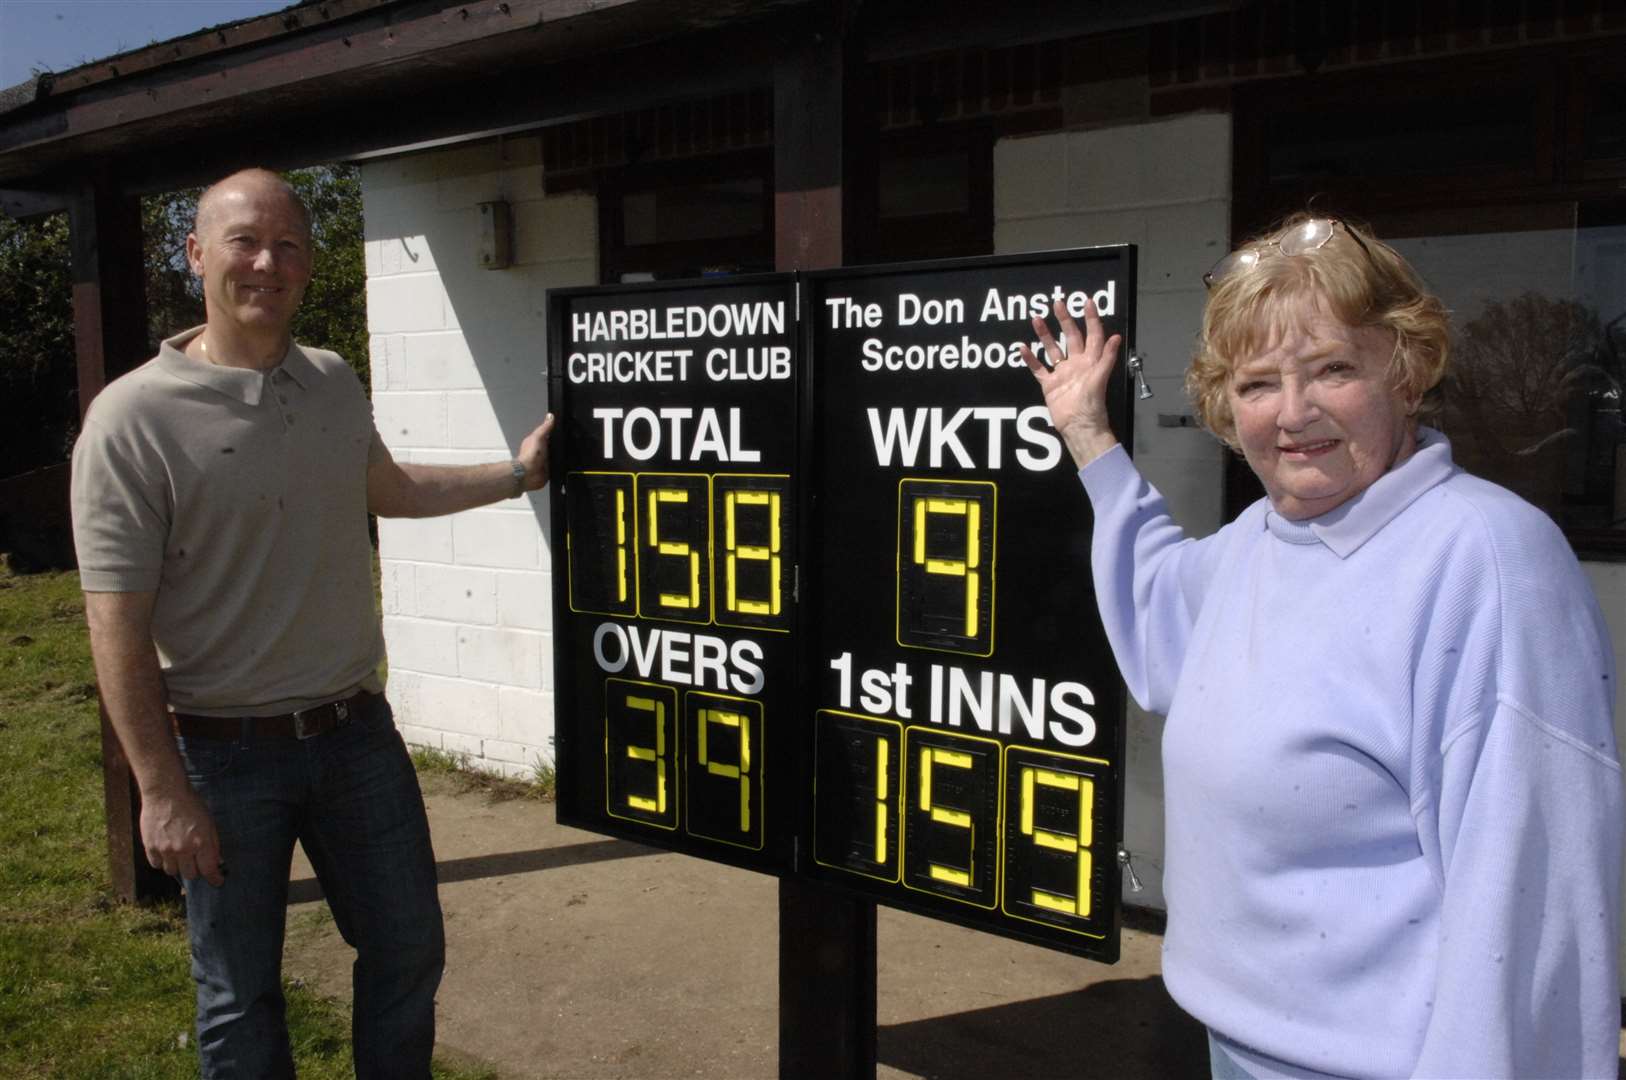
[964, 709]
[674, 560]
[821, 587]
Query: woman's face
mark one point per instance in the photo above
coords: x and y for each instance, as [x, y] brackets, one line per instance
[1315, 413]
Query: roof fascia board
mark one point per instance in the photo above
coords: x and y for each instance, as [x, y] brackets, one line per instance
[381, 39]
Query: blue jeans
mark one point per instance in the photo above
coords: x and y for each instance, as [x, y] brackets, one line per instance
[351, 798]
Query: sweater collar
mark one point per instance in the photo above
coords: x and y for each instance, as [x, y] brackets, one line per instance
[241, 384]
[1345, 528]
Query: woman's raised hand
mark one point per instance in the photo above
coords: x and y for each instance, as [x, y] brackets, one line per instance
[1075, 382]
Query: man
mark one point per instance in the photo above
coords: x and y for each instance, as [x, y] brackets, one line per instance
[219, 502]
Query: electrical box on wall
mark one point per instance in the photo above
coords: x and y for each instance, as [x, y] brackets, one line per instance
[496, 236]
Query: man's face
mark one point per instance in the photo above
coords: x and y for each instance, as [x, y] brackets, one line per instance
[253, 255]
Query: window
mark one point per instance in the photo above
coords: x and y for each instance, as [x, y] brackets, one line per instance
[693, 218]
[1498, 177]
[927, 194]
[1533, 396]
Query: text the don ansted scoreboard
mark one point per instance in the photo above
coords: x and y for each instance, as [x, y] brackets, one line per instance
[822, 592]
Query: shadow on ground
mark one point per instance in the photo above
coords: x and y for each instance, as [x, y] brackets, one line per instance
[1117, 1029]
[503, 864]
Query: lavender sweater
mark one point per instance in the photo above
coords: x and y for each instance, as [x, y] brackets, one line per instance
[1394, 807]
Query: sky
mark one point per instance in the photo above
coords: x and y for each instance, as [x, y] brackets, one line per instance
[56, 35]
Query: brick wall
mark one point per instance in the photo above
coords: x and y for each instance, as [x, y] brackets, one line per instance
[1164, 186]
[459, 376]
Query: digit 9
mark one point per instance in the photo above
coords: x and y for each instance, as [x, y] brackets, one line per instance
[946, 565]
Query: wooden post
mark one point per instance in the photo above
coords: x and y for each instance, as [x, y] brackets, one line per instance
[110, 338]
[827, 958]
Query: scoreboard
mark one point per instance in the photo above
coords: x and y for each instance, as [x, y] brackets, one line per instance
[822, 593]
[674, 560]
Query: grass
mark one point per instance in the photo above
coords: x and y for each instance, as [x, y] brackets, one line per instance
[464, 775]
[90, 987]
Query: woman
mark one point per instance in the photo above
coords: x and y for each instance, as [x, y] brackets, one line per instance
[1394, 807]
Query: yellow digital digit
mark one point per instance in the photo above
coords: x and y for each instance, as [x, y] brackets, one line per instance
[1076, 844]
[674, 548]
[930, 758]
[966, 568]
[858, 794]
[883, 810]
[1054, 820]
[754, 548]
[951, 821]
[946, 565]
[722, 769]
[740, 771]
[621, 546]
[735, 551]
[656, 754]
[641, 746]
[601, 538]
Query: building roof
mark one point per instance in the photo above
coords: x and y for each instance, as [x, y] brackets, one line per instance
[330, 79]
[327, 80]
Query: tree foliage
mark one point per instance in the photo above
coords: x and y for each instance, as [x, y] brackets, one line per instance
[39, 397]
[1531, 379]
[39, 401]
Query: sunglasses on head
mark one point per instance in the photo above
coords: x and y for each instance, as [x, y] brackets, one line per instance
[1312, 235]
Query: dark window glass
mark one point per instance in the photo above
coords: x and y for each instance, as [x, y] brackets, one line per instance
[1419, 138]
[1534, 391]
[1606, 121]
[716, 210]
[924, 184]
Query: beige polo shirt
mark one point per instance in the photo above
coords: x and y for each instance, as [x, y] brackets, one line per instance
[240, 497]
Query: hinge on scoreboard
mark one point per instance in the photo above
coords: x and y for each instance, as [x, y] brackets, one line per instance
[796, 583]
[1128, 863]
[1137, 365]
[797, 285]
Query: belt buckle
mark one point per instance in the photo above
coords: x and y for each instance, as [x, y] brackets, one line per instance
[308, 722]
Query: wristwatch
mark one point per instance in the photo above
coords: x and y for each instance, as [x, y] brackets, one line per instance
[519, 478]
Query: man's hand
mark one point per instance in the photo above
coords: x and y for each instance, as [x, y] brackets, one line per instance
[1075, 383]
[533, 454]
[176, 830]
[179, 836]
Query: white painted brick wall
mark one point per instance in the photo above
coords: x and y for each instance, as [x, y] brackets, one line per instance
[496, 655]
[433, 362]
[423, 539]
[410, 419]
[422, 646]
[459, 377]
[520, 605]
[406, 303]
[471, 421]
[522, 710]
[1164, 186]
[456, 595]
[497, 538]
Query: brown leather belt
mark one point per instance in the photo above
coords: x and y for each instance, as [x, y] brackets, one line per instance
[295, 725]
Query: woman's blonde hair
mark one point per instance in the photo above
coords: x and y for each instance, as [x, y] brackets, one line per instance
[1370, 287]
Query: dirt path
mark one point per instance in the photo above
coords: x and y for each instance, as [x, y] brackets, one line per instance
[573, 955]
